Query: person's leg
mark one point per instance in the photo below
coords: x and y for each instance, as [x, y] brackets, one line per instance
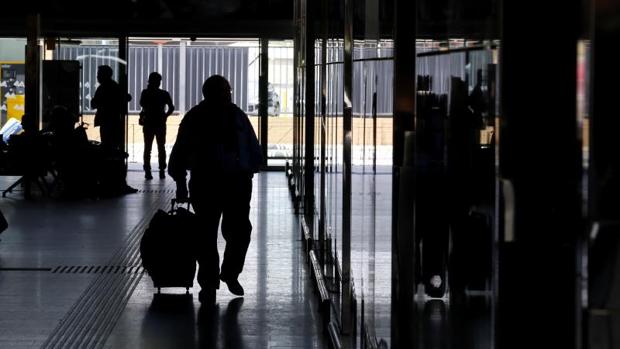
[208, 257]
[118, 131]
[160, 135]
[104, 134]
[117, 160]
[149, 134]
[236, 227]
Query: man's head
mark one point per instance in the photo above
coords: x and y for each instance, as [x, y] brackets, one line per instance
[155, 79]
[216, 90]
[29, 123]
[61, 119]
[104, 73]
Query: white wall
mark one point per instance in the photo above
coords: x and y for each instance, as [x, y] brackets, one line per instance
[12, 49]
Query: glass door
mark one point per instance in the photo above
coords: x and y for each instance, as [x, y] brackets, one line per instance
[89, 54]
[280, 102]
[12, 80]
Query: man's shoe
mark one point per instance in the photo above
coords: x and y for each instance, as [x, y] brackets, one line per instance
[234, 287]
[162, 174]
[129, 190]
[207, 296]
[148, 175]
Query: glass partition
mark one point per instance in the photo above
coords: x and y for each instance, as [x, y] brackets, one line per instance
[371, 179]
[184, 65]
[280, 102]
[90, 53]
[456, 89]
[12, 79]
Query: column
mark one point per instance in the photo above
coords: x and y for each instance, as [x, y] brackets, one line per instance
[540, 176]
[403, 238]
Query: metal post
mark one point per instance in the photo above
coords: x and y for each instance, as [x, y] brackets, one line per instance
[33, 67]
[182, 75]
[160, 58]
[296, 97]
[309, 115]
[123, 50]
[347, 292]
[263, 107]
[322, 212]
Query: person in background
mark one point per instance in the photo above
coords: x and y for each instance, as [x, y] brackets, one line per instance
[156, 107]
[110, 102]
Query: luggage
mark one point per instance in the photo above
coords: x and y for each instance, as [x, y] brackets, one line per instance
[111, 170]
[168, 248]
[3, 223]
[480, 248]
[470, 260]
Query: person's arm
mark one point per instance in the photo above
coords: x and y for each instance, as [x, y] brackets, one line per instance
[179, 159]
[94, 102]
[169, 104]
[255, 152]
[142, 99]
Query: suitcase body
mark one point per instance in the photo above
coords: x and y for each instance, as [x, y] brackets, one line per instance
[168, 248]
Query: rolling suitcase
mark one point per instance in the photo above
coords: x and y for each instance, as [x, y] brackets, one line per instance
[168, 248]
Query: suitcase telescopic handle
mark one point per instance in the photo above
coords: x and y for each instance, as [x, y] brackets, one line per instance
[174, 202]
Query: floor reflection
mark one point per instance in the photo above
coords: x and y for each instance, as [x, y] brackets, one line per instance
[208, 326]
[233, 338]
[171, 322]
[465, 325]
[435, 330]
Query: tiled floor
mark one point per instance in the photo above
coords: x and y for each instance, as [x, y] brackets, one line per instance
[44, 304]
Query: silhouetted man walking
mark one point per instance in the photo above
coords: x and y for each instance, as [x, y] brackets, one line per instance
[108, 101]
[217, 144]
[153, 101]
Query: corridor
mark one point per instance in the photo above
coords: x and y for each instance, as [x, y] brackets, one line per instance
[70, 277]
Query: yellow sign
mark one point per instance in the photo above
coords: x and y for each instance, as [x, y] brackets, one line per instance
[12, 88]
[15, 106]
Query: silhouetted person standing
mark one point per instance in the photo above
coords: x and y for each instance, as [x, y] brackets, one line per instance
[109, 101]
[153, 101]
[477, 102]
[217, 144]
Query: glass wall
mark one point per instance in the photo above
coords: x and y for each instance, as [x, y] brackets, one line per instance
[12, 79]
[371, 180]
[333, 153]
[89, 53]
[452, 107]
[280, 93]
[350, 214]
[184, 65]
[456, 88]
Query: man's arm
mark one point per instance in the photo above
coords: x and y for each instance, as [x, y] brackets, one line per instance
[169, 104]
[94, 102]
[179, 159]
